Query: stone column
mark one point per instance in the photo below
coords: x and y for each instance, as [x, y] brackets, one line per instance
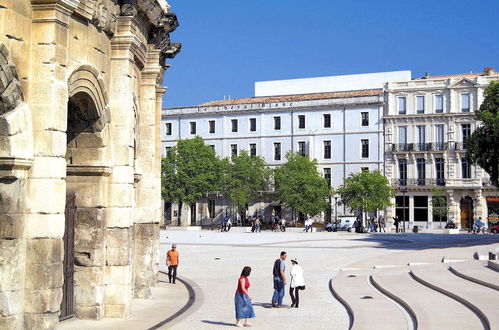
[121, 199]
[46, 189]
[146, 227]
[453, 212]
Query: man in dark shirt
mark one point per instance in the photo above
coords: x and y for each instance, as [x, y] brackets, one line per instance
[279, 275]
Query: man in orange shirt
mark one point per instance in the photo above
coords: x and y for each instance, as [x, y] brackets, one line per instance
[172, 263]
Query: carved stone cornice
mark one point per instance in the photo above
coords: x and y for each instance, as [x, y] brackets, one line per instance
[14, 168]
[69, 4]
[90, 170]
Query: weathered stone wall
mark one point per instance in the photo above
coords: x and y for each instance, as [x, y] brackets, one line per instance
[79, 108]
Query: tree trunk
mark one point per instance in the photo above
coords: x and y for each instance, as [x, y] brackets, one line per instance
[179, 216]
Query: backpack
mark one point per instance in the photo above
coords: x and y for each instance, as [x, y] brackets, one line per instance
[277, 268]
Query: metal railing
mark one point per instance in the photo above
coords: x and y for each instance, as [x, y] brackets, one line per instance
[427, 146]
[415, 182]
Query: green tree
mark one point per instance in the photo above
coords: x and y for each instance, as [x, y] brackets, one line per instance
[483, 144]
[244, 177]
[299, 184]
[439, 203]
[189, 171]
[367, 190]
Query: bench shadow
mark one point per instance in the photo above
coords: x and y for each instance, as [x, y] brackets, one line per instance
[218, 323]
[264, 305]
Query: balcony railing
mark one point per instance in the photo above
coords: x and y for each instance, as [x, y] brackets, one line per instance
[414, 182]
[430, 146]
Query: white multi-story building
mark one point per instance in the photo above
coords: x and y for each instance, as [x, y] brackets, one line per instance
[426, 124]
[336, 120]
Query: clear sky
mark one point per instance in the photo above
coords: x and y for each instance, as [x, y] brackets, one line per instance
[230, 44]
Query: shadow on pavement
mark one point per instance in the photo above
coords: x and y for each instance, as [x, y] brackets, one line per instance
[218, 323]
[264, 305]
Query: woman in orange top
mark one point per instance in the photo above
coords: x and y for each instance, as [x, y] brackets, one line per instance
[172, 263]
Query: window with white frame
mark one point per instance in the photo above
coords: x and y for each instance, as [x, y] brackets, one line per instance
[301, 121]
[234, 127]
[465, 102]
[211, 125]
[365, 148]
[233, 149]
[327, 149]
[277, 123]
[439, 103]
[402, 104]
[168, 129]
[252, 148]
[277, 151]
[420, 103]
[327, 120]
[465, 169]
[364, 117]
[327, 175]
[302, 151]
[252, 122]
[192, 127]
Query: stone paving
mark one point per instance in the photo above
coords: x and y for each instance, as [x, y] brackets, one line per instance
[213, 261]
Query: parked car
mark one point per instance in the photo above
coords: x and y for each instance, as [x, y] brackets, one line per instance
[346, 222]
[494, 229]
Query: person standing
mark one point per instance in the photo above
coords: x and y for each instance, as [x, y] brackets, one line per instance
[229, 224]
[296, 283]
[396, 223]
[381, 223]
[279, 274]
[257, 225]
[172, 263]
[242, 299]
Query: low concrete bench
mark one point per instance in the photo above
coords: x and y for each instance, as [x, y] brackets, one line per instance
[368, 308]
[431, 309]
[478, 272]
[480, 299]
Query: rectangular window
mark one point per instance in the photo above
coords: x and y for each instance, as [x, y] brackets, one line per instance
[167, 150]
[327, 176]
[168, 129]
[465, 102]
[211, 208]
[365, 148]
[302, 151]
[439, 171]
[233, 149]
[439, 137]
[364, 169]
[421, 167]
[364, 118]
[439, 103]
[466, 132]
[421, 129]
[277, 151]
[402, 172]
[420, 104]
[193, 127]
[233, 124]
[211, 125]
[402, 103]
[421, 208]
[301, 121]
[252, 149]
[465, 169]
[277, 123]
[252, 122]
[403, 138]
[327, 120]
[212, 146]
[327, 149]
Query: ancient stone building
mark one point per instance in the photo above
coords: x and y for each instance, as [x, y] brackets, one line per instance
[80, 108]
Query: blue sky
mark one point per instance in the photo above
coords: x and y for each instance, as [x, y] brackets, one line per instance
[230, 44]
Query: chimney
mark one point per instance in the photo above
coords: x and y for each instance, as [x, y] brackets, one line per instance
[427, 75]
[489, 71]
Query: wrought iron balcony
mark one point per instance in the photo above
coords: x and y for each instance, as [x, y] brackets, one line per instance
[402, 147]
[414, 182]
[430, 146]
[440, 146]
[457, 146]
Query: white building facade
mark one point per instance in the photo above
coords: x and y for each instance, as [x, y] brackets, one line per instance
[336, 120]
[426, 124]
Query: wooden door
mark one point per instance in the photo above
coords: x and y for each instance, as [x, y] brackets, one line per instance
[466, 212]
[67, 304]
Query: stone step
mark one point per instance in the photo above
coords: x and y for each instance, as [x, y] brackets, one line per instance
[430, 308]
[368, 308]
[480, 299]
[477, 272]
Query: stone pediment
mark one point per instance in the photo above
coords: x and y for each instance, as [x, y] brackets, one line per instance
[463, 83]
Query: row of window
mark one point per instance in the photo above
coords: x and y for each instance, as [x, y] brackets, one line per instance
[234, 124]
[438, 103]
[439, 170]
[439, 133]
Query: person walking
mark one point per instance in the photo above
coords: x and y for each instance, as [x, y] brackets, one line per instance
[382, 225]
[229, 224]
[258, 224]
[242, 299]
[279, 276]
[396, 223]
[296, 283]
[172, 263]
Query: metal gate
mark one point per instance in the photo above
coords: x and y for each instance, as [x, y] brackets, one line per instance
[67, 304]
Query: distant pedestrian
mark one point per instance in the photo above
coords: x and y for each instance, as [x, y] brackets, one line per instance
[296, 283]
[242, 299]
[382, 225]
[396, 224]
[172, 259]
[279, 276]
[229, 224]
[258, 224]
[223, 223]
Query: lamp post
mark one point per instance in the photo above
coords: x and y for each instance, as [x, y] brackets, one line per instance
[336, 208]
[403, 190]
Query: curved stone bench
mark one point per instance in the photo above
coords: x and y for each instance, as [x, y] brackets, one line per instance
[368, 308]
[477, 272]
[432, 309]
[480, 299]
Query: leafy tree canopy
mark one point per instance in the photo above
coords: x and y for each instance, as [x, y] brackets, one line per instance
[483, 145]
[299, 183]
[189, 171]
[439, 201]
[244, 176]
[367, 190]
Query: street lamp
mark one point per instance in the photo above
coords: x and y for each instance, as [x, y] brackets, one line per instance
[403, 190]
[336, 208]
